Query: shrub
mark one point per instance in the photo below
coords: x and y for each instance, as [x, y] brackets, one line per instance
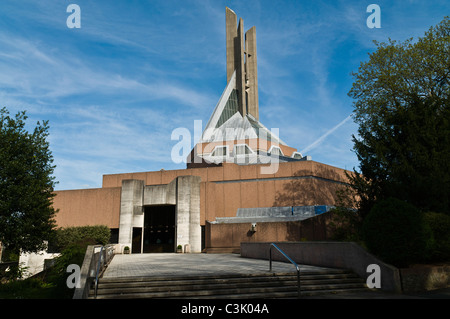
[395, 231]
[66, 237]
[345, 224]
[57, 275]
[34, 288]
[439, 224]
[51, 283]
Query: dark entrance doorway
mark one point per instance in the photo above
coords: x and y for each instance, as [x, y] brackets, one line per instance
[159, 229]
[137, 240]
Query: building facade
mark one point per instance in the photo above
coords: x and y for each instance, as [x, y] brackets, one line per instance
[242, 182]
[182, 203]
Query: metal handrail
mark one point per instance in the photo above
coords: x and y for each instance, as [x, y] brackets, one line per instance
[103, 259]
[98, 271]
[297, 267]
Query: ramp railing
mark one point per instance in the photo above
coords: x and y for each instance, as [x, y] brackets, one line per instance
[95, 260]
[297, 267]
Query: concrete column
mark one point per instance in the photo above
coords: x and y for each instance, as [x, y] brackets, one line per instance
[131, 201]
[182, 211]
[188, 212]
[240, 68]
[241, 57]
[231, 35]
[252, 73]
[195, 232]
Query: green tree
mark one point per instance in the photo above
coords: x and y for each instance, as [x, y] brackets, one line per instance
[69, 236]
[402, 108]
[395, 231]
[26, 184]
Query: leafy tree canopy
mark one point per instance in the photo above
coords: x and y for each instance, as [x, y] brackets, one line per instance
[402, 108]
[26, 184]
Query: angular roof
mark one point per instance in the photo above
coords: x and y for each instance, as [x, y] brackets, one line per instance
[234, 132]
[227, 123]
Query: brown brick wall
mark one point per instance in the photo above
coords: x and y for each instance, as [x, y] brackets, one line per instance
[223, 190]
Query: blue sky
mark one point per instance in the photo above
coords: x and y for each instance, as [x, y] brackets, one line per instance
[115, 89]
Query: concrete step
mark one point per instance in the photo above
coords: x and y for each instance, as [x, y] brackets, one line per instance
[232, 291]
[208, 293]
[278, 295]
[265, 285]
[200, 282]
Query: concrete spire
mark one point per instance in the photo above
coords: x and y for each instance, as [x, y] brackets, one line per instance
[251, 73]
[241, 57]
[231, 35]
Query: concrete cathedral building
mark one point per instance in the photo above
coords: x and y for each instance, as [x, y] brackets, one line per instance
[242, 182]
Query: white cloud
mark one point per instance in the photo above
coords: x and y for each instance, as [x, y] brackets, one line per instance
[116, 88]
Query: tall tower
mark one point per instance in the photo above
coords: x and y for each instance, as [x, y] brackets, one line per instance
[241, 57]
[234, 132]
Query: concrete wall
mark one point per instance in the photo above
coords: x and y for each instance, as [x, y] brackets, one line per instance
[160, 194]
[230, 172]
[131, 209]
[328, 254]
[219, 192]
[225, 189]
[188, 213]
[34, 262]
[223, 199]
[183, 191]
[231, 235]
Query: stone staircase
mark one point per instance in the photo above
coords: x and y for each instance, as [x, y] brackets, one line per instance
[265, 285]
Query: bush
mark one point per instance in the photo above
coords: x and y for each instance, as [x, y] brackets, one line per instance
[49, 284]
[395, 231]
[71, 242]
[34, 288]
[345, 224]
[66, 237]
[440, 227]
[57, 275]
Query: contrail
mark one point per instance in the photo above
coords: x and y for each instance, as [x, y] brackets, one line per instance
[320, 139]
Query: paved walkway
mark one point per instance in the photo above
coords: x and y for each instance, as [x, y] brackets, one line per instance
[140, 265]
